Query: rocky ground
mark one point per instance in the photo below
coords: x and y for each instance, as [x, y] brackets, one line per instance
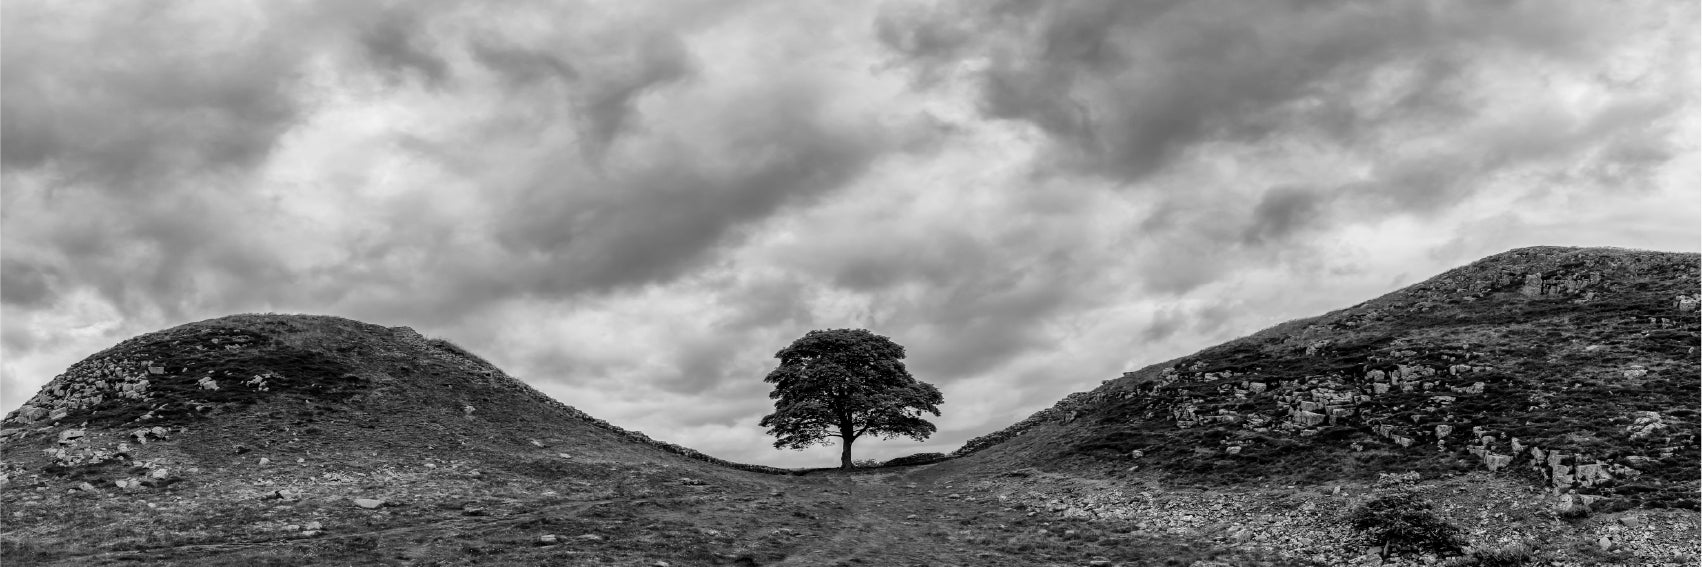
[1306, 523]
[589, 513]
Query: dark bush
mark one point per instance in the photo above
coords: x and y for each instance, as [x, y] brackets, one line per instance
[916, 459]
[1402, 523]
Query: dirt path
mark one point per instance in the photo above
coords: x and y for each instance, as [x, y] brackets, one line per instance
[909, 518]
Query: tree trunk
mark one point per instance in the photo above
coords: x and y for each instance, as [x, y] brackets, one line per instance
[845, 439]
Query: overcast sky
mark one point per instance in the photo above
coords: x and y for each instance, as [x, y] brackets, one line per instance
[633, 205]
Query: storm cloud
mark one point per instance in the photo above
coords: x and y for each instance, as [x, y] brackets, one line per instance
[633, 206]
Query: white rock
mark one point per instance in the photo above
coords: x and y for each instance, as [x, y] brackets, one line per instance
[368, 503]
[313, 526]
[548, 539]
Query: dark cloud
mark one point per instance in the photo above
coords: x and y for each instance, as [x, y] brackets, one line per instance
[25, 284]
[1133, 92]
[656, 218]
[1282, 211]
[1127, 89]
[151, 93]
[396, 44]
[146, 143]
[522, 65]
[660, 59]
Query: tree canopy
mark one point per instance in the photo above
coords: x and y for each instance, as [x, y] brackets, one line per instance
[846, 383]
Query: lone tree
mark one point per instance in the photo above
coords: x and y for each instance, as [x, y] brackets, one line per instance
[846, 383]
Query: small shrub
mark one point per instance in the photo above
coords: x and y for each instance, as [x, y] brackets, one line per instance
[1403, 523]
[1516, 555]
[865, 463]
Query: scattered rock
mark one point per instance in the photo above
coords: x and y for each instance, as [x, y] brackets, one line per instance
[31, 413]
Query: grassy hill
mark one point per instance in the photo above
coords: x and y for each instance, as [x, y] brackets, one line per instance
[1541, 403]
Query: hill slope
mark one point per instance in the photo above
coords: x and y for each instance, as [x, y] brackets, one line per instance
[1544, 398]
[1574, 369]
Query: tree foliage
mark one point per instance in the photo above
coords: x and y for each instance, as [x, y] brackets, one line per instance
[846, 383]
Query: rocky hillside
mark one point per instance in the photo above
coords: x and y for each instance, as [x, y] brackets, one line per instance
[1570, 369]
[303, 383]
[1544, 400]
